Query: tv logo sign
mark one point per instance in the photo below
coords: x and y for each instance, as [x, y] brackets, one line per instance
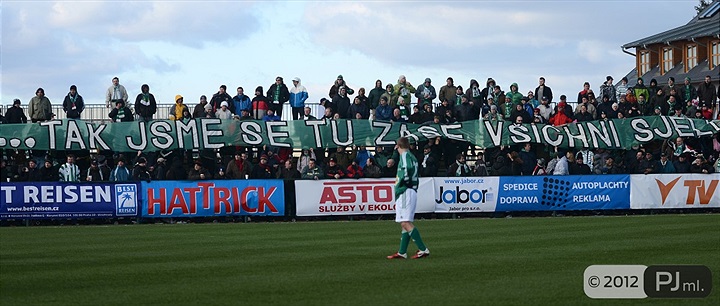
[702, 190]
[678, 281]
[126, 200]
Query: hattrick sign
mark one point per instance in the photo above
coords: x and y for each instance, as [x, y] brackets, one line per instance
[213, 133]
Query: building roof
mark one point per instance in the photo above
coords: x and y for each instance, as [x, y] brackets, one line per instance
[702, 25]
[697, 74]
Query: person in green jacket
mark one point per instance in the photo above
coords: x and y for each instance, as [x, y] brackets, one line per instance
[514, 94]
[404, 89]
[641, 90]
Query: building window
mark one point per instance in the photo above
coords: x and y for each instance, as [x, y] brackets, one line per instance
[691, 57]
[644, 62]
[714, 54]
[667, 60]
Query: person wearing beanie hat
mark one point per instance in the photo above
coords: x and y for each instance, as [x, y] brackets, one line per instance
[202, 109]
[115, 92]
[145, 104]
[73, 104]
[223, 112]
[425, 93]
[335, 88]
[121, 113]
[277, 95]
[178, 109]
[260, 104]
[15, 114]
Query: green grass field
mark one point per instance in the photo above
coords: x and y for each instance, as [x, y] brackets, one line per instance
[538, 261]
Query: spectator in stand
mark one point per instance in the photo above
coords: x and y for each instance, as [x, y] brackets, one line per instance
[48, 172]
[358, 108]
[270, 116]
[652, 89]
[342, 101]
[260, 104]
[307, 114]
[605, 106]
[707, 94]
[608, 168]
[73, 105]
[607, 89]
[474, 93]
[333, 170]
[537, 118]
[425, 93]
[480, 166]
[329, 114]
[539, 168]
[120, 173]
[560, 118]
[219, 97]
[584, 93]
[388, 94]
[506, 109]
[311, 171]
[664, 165]
[428, 162]
[384, 112]
[278, 94]
[374, 96]
[115, 92]
[239, 168]
[140, 170]
[30, 173]
[701, 165]
[670, 87]
[288, 172]
[198, 172]
[486, 93]
[647, 164]
[305, 156]
[427, 115]
[94, 173]
[493, 115]
[527, 155]
[681, 164]
[354, 171]
[371, 170]
[241, 102]
[448, 92]
[561, 165]
[202, 109]
[584, 115]
[121, 113]
[5, 172]
[15, 114]
[390, 169]
[543, 90]
[640, 90]
[145, 104]
[458, 96]
[223, 112]
[579, 167]
[262, 170]
[520, 112]
[298, 95]
[159, 170]
[404, 90]
[344, 158]
[687, 91]
[657, 100]
[589, 107]
[621, 89]
[397, 117]
[335, 89]
[643, 107]
[515, 95]
[40, 107]
[178, 109]
[459, 168]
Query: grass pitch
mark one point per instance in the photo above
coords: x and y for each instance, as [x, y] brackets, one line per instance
[537, 261]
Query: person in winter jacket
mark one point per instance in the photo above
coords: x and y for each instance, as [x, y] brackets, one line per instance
[560, 117]
[121, 113]
[115, 92]
[621, 89]
[73, 104]
[607, 89]
[375, 94]
[404, 89]
[40, 107]
[145, 104]
[706, 93]
[358, 108]
[241, 102]
[224, 112]
[342, 101]
[459, 168]
[202, 109]
[141, 172]
[354, 171]
[120, 173]
[640, 90]
[178, 109]
[311, 171]
[15, 114]
[278, 94]
[298, 95]
[260, 104]
[335, 89]
[543, 90]
[514, 94]
[384, 111]
[220, 97]
[425, 93]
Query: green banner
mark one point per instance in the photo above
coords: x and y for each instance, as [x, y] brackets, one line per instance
[216, 133]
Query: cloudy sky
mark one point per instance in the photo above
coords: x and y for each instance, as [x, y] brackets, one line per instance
[192, 47]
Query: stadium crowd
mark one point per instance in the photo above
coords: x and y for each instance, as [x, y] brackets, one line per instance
[399, 102]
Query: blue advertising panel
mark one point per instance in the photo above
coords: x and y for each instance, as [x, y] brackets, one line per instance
[213, 198]
[572, 192]
[47, 200]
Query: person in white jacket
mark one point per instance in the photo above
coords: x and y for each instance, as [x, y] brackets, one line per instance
[298, 95]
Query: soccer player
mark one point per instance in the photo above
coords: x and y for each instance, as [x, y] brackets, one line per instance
[406, 186]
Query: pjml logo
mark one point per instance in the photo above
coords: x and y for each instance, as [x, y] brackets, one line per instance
[126, 200]
[695, 188]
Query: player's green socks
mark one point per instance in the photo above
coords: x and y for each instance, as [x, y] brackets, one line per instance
[415, 235]
[404, 241]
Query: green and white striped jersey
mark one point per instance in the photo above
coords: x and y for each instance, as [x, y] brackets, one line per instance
[407, 173]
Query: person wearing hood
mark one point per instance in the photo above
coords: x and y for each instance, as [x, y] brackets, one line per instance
[278, 94]
[514, 94]
[298, 95]
[493, 115]
[448, 91]
[145, 104]
[641, 90]
[488, 90]
[178, 109]
[506, 109]
[121, 113]
[375, 94]
[404, 89]
[543, 90]
[241, 102]
[474, 93]
[653, 88]
[425, 93]
[260, 104]
[342, 101]
[73, 104]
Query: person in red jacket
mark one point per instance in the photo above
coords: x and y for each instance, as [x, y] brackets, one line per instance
[560, 118]
[354, 171]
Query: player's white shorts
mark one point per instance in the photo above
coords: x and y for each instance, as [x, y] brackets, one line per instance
[405, 206]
